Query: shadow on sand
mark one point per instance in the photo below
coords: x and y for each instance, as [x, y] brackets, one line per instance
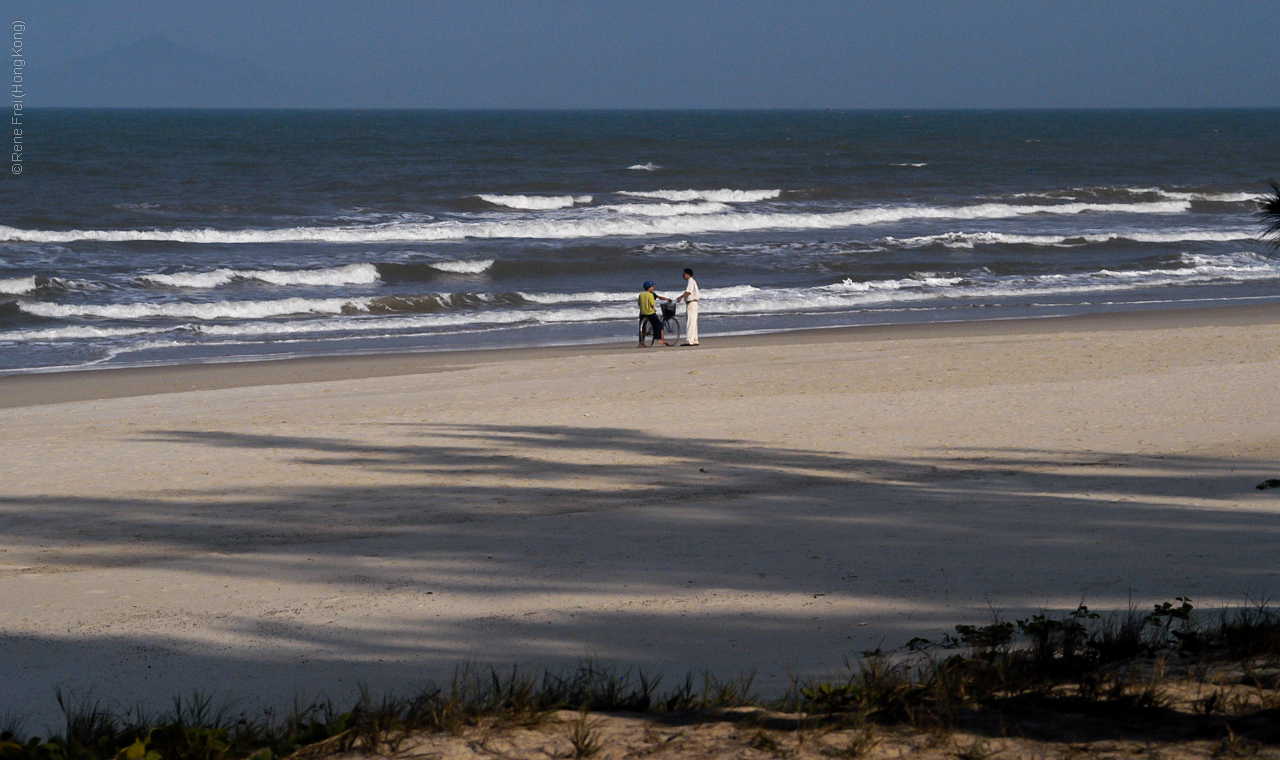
[719, 554]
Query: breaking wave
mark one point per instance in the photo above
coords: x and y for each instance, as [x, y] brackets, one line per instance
[591, 227]
[199, 310]
[1181, 195]
[737, 291]
[354, 274]
[971, 239]
[18, 286]
[1111, 192]
[479, 310]
[850, 293]
[717, 196]
[462, 267]
[666, 209]
[79, 332]
[535, 202]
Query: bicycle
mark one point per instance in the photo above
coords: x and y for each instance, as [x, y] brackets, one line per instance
[670, 326]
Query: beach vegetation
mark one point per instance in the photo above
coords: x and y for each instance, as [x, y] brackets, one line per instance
[1269, 213]
[584, 736]
[1167, 671]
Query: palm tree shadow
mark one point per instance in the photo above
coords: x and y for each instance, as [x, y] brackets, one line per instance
[706, 553]
[1269, 215]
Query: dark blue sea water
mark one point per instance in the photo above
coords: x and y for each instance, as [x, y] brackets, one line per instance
[177, 236]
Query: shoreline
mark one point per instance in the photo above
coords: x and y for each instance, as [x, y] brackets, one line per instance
[37, 388]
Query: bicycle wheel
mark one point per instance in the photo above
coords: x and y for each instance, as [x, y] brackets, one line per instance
[671, 330]
[646, 333]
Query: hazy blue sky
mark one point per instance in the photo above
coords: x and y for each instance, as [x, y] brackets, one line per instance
[658, 53]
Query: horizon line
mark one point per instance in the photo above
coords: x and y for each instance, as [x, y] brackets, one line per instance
[653, 109]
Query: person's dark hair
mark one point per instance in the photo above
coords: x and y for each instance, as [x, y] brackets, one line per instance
[689, 272]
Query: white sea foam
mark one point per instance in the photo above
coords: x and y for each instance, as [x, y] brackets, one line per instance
[462, 267]
[584, 297]
[1182, 195]
[211, 279]
[911, 283]
[1218, 197]
[746, 299]
[335, 317]
[18, 285]
[496, 317]
[1244, 267]
[353, 274]
[718, 196]
[535, 202]
[604, 297]
[591, 227]
[649, 167]
[971, 239]
[850, 293]
[916, 165]
[199, 310]
[667, 209]
[1177, 195]
[77, 333]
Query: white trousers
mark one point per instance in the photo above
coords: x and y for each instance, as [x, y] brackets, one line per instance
[691, 316]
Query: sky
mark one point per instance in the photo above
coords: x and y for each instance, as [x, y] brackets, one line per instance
[652, 53]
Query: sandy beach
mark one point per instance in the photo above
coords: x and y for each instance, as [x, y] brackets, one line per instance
[272, 530]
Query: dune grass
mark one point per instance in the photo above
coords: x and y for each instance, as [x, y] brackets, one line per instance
[1204, 674]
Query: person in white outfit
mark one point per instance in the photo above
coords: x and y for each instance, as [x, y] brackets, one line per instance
[690, 298]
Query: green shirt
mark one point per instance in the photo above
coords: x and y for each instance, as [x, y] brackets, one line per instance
[647, 301]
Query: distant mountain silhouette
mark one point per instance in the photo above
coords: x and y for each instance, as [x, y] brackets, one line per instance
[156, 72]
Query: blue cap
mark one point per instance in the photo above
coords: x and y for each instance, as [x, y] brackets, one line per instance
[648, 284]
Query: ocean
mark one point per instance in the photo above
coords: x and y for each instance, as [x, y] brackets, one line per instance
[175, 236]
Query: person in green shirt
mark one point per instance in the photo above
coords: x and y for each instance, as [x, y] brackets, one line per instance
[648, 303]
